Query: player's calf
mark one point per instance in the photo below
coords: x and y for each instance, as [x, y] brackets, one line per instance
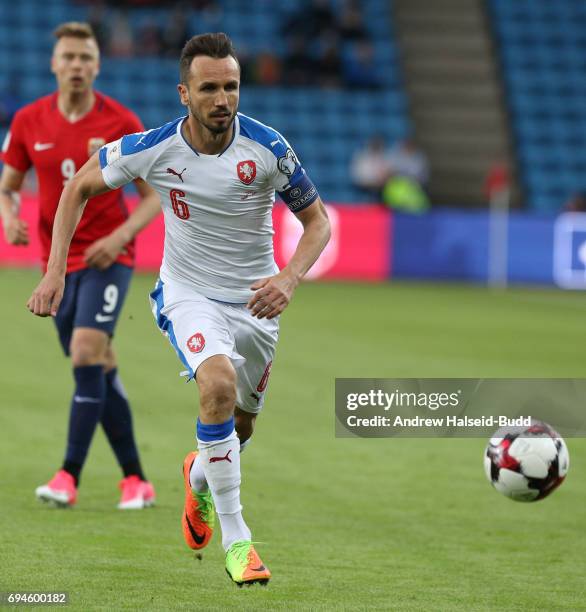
[219, 449]
[244, 423]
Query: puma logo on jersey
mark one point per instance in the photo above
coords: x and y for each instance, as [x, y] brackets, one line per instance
[226, 457]
[171, 171]
[43, 146]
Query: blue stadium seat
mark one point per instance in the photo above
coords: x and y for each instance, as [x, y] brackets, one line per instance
[325, 126]
[543, 50]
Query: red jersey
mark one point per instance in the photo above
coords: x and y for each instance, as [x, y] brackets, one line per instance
[42, 137]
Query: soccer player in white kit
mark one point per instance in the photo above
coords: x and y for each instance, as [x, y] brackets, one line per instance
[220, 293]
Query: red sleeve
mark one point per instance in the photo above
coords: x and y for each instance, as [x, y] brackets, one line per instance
[133, 124]
[14, 151]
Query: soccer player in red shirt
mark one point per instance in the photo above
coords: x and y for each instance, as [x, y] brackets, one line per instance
[57, 134]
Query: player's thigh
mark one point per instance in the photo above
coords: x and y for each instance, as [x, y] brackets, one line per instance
[256, 341]
[194, 325]
[64, 321]
[100, 296]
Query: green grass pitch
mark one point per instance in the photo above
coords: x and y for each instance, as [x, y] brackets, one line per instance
[345, 524]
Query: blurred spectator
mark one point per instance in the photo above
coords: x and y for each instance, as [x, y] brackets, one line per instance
[268, 69]
[176, 31]
[196, 4]
[205, 5]
[405, 188]
[315, 37]
[209, 15]
[121, 39]
[299, 66]
[370, 167]
[404, 194]
[351, 23]
[409, 162]
[311, 21]
[497, 180]
[149, 38]
[360, 68]
[247, 68]
[576, 203]
[321, 18]
[330, 64]
[98, 19]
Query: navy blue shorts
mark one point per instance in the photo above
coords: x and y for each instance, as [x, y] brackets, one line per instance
[92, 298]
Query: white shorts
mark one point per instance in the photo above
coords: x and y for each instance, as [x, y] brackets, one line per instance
[199, 328]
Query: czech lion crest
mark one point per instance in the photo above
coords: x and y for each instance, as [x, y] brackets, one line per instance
[246, 171]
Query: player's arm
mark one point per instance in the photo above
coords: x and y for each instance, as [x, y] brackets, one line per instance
[87, 183]
[273, 294]
[103, 253]
[15, 228]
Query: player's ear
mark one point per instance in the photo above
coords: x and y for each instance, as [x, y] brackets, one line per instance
[183, 94]
[53, 64]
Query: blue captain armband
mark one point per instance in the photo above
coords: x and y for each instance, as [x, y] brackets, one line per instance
[300, 195]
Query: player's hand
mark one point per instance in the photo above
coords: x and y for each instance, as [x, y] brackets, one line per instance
[16, 231]
[104, 252]
[46, 298]
[272, 296]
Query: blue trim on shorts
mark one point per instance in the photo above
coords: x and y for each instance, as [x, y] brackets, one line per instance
[228, 303]
[213, 433]
[166, 326]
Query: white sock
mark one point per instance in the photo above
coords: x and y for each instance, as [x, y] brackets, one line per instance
[220, 460]
[234, 529]
[197, 478]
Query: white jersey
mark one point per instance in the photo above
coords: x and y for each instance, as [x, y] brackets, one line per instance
[217, 208]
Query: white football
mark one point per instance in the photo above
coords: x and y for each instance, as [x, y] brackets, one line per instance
[526, 463]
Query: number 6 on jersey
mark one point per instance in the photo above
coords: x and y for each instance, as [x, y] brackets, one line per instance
[180, 208]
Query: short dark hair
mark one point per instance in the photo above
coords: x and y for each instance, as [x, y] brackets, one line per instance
[216, 44]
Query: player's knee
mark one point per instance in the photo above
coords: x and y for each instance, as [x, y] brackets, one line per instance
[84, 354]
[110, 359]
[88, 348]
[218, 398]
[216, 379]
